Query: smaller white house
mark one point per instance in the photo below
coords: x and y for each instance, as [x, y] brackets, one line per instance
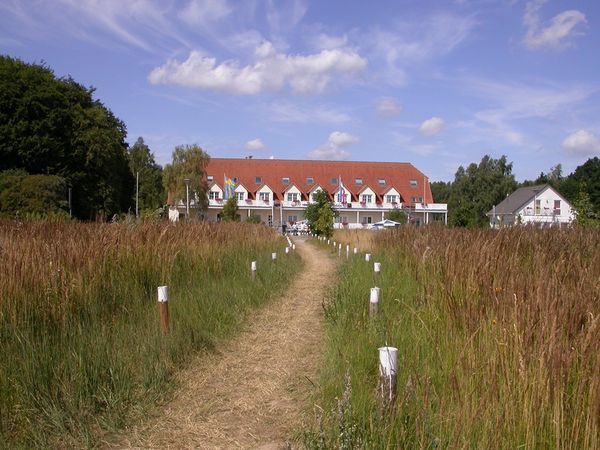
[540, 205]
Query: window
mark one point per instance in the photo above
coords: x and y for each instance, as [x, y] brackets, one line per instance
[235, 180]
[270, 220]
[366, 198]
[358, 181]
[342, 196]
[292, 219]
[557, 207]
[381, 182]
[391, 198]
[334, 181]
[366, 220]
[538, 206]
[285, 180]
[265, 196]
[313, 196]
[258, 180]
[213, 195]
[310, 180]
[239, 196]
[413, 183]
[292, 197]
[209, 178]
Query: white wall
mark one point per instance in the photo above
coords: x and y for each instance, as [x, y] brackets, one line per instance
[546, 211]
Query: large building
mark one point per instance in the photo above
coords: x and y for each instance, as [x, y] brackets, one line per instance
[279, 190]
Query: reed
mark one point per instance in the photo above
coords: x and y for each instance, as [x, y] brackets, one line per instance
[497, 334]
[82, 351]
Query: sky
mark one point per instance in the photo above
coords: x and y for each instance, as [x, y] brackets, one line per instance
[438, 84]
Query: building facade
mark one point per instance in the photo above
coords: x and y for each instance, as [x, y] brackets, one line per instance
[278, 191]
[540, 205]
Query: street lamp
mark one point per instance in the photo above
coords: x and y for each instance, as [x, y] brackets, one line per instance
[187, 197]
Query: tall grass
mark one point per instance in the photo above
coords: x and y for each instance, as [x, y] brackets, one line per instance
[81, 348]
[498, 336]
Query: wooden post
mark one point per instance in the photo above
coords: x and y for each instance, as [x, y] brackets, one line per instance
[253, 270]
[328, 241]
[367, 257]
[377, 268]
[294, 247]
[340, 250]
[273, 256]
[347, 251]
[287, 250]
[163, 308]
[388, 367]
[374, 301]
[355, 251]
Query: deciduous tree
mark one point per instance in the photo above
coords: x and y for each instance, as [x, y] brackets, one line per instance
[151, 189]
[320, 214]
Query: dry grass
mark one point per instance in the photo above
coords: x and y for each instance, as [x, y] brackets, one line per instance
[497, 332]
[362, 239]
[78, 317]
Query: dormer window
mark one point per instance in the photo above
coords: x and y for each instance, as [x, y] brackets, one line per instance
[391, 198]
[258, 180]
[334, 181]
[310, 180]
[285, 180]
[209, 178]
[292, 197]
[381, 182]
[366, 198]
[413, 183]
[358, 181]
[265, 196]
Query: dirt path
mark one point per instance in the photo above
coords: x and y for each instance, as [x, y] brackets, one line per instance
[243, 396]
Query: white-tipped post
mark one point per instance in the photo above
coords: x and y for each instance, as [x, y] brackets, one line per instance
[377, 268]
[163, 307]
[339, 249]
[328, 241]
[367, 257]
[374, 300]
[273, 256]
[388, 368]
[253, 270]
[287, 250]
[294, 247]
[347, 251]
[355, 251]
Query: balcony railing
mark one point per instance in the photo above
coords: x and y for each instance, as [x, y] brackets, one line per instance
[541, 212]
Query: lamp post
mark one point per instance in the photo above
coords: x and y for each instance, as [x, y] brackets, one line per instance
[187, 197]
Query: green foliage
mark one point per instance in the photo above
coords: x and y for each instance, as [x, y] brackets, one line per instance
[320, 214]
[585, 178]
[585, 213]
[151, 190]
[477, 189]
[188, 162]
[230, 211]
[254, 218]
[54, 126]
[441, 190]
[23, 195]
[397, 215]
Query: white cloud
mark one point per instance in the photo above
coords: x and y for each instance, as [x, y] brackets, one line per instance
[557, 34]
[201, 12]
[333, 149]
[288, 112]
[431, 127]
[388, 106]
[255, 144]
[324, 41]
[271, 71]
[581, 143]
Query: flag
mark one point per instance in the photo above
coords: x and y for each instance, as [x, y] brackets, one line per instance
[229, 186]
[342, 193]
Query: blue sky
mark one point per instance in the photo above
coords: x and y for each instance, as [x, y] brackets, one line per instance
[435, 83]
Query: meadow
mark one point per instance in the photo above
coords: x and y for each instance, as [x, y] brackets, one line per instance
[82, 350]
[497, 335]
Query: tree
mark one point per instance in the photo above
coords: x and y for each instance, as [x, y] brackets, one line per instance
[477, 189]
[585, 214]
[230, 211]
[151, 190]
[585, 178]
[188, 162]
[53, 126]
[397, 215]
[440, 190]
[320, 214]
[22, 194]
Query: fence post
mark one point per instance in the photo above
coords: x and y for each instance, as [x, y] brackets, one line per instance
[377, 268]
[163, 308]
[294, 247]
[273, 256]
[287, 250]
[253, 270]
[355, 251]
[347, 251]
[388, 367]
[374, 301]
[367, 257]
[339, 249]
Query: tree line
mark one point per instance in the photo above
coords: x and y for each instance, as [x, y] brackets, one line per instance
[478, 187]
[62, 151]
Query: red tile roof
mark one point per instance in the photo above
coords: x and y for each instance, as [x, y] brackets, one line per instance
[271, 171]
